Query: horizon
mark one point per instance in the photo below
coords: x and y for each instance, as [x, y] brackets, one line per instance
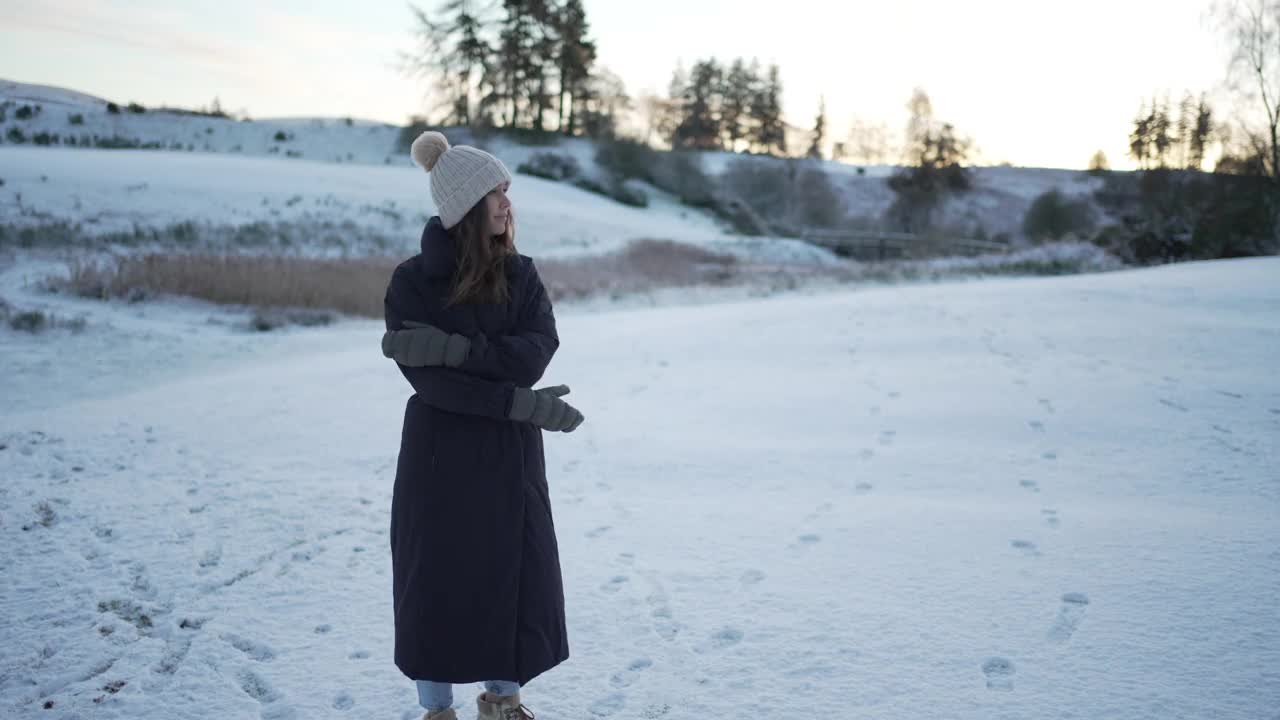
[286, 67]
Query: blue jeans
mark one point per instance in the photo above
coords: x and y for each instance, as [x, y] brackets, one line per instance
[438, 696]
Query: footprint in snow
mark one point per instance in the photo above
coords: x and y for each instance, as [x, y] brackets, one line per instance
[343, 702]
[1070, 615]
[725, 637]
[597, 532]
[1031, 485]
[624, 678]
[1036, 425]
[256, 650]
[1026, 546]
[608, 705]
[614, 584]
[1050, 517]
[862, 487]
[999, 672]
[751, 577]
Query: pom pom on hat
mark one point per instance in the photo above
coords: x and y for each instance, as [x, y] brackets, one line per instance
[427, 149]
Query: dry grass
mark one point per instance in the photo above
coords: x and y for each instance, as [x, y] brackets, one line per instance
[641, 265]
[293, 290]
[354, 286]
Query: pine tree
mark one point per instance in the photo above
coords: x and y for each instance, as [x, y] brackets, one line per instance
[737, 103]
[576, 56]
[673, 110]
[819, 130]
[1139, 138]
[1201, 133]
[766, 111]
[1161, 136]
[699, 127]
[543, 57]
[510, 75]
[454, 54]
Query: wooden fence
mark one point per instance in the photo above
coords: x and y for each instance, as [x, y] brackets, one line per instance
[875, 245]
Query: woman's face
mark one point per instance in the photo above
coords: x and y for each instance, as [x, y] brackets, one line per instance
[497, 210]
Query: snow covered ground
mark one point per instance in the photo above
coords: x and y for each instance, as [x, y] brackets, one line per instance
[1028, 498]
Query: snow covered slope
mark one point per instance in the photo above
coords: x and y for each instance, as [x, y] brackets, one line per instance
[1047, 498]
[1000, 197]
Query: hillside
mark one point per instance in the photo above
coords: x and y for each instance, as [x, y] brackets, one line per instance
[995, 206]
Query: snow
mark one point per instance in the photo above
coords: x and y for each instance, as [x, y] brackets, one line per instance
[117, 190]
[1048, 498]
[996, 204]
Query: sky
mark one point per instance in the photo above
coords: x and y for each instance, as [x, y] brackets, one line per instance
[1033, 83]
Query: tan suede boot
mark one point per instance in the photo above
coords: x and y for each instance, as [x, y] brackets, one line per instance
[445, 714]
[501, 707]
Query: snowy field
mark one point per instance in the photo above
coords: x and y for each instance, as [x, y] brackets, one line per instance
[1030, 498]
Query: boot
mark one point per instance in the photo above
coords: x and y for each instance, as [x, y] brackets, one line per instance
[501, 707]
[445, 714]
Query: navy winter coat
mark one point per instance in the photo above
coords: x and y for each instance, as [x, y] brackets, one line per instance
[476, 583]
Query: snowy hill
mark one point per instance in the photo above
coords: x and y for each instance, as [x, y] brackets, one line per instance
[1044, 498]
[996, 205]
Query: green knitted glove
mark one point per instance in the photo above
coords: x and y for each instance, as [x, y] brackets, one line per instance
[423, 345]
[544, 408]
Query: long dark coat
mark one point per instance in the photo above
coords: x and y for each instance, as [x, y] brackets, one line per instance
[477, 585]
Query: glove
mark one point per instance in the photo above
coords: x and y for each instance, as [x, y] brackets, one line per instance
[423, 345]
[544, 408]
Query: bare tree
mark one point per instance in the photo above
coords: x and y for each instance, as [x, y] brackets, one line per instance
[1253, 29]
[868, 142]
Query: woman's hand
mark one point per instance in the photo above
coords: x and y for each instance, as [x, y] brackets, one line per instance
[545, 409]
[424, 345]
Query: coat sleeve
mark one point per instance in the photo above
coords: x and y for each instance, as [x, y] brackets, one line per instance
[445, 388]
[521, 356]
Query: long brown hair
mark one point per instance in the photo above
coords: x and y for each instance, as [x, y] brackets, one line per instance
[481, 274]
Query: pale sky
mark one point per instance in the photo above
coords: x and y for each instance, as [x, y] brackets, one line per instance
[1034, 83]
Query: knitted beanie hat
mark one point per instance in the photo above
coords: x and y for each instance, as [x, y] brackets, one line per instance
[460, 175]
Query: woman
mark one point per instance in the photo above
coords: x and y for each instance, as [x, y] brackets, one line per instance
[476, 581]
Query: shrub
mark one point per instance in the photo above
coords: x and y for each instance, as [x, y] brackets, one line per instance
[113, 108]
[626, 159]
[280, 136]
[44, 138]
[618, 191]
[787, 194]
[1053, 216]
[409, 133]
[136, 108]
[15, 135]
[1171, 215]
[680, 173]
[635, 197]
[75, 119]
[24, 112]
[552, 166]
